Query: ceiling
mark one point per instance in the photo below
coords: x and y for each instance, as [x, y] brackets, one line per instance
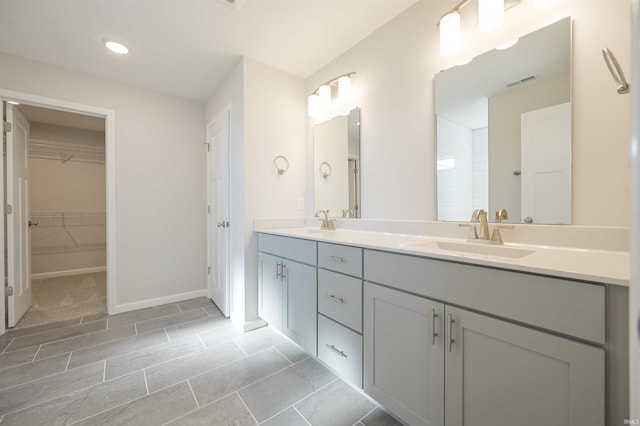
[187, 47]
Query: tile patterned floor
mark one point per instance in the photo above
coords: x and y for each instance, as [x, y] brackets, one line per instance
[176, 364]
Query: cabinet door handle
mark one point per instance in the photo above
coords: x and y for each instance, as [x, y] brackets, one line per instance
[334, 298]
[278, 270]
[335, 350]
[336, 258]
[283, 274]
[450, 322]
[434, 333]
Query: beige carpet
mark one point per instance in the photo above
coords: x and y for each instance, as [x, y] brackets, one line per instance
[62, 298]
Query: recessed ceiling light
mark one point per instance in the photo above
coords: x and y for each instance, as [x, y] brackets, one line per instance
[116, 47]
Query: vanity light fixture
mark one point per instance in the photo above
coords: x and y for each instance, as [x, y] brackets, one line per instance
[116, 47]
[490, 17]
[319, 103]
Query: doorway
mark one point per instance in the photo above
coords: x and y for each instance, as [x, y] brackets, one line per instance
[67, 219]
[74, 228]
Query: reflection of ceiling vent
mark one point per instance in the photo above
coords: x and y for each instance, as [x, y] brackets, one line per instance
[524, 80]
[236, 4]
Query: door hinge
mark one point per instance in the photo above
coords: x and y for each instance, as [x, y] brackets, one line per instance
[209, 209]
[8, 209]
[6, 126]
[9, 291]
[208, 270]
[208, 146]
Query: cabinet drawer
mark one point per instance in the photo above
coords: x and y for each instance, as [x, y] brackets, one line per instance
[290, 248]
[340, 298]
[567, 307]
[341, 349]
[345, 259]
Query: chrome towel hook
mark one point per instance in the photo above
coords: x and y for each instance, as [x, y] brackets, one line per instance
[616, 71]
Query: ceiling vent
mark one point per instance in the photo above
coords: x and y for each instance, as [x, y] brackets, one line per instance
[524, 80]
[236, 4]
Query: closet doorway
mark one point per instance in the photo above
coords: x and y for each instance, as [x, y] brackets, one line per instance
[66, 211]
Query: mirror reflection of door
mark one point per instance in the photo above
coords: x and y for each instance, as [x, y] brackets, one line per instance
[546, 165]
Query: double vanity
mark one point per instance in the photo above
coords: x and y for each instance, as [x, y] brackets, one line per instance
[440, 331]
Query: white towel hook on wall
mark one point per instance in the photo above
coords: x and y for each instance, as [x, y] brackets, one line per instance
[616, 71]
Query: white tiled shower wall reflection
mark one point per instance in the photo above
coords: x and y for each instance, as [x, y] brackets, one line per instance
[463, 172]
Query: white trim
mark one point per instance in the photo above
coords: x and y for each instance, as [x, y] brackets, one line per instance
[110, 170]
[69, 272]
[149, 303]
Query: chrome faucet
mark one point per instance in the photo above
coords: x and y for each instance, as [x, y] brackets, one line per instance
[327, 223]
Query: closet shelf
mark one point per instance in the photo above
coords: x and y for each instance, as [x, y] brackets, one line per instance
[65, 151]
[58, 232]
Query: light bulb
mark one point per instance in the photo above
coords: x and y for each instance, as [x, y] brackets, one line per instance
[345, 94]
[313, 106]
[116, 47]
[450, 34]
[490, 14]
[324, 94]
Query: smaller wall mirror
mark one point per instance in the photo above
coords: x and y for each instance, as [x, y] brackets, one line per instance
[504, 131]
[336, 165]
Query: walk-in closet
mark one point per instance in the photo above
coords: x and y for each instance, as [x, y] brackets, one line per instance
[67, 220]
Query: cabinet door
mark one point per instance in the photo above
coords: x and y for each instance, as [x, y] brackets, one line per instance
[300, 287]
[499, 373]
[404, 354]
[270, 289]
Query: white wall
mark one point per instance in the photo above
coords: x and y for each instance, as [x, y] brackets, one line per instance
[267, 120]
[160, 178]
[394, 86]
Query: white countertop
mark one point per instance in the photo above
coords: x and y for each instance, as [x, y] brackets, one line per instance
[602, 266]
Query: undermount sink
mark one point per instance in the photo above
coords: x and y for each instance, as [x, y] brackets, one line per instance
[478, 248]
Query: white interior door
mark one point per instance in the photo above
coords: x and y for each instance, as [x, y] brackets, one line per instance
[18, 249]
[218, 223]
[546, 165]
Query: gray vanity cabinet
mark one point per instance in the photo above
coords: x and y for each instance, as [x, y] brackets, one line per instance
[404, 354]
[287, 287]
[432, 362]
[500, 373]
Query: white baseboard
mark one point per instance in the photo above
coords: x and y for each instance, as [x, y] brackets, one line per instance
[256, 323]
[69, 272]
[148, 303]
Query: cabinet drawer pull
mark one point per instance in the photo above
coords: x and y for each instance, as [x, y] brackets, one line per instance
[337, 351]
[336, 258]
[450, 322]
[334, 298]
[434, 333]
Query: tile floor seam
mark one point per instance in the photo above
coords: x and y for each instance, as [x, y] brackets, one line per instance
[46, 376]
[200, 338]
[313, 393]
[240, 347]
[247, 407]
[66, 368]
[36, 354]
[52, 341]
[50, 399]
[375, 407]
[144, 374]
[104, 372]
[300, 414]
[84, 347]
[193, 394]
[167, 334]
[6, 347]
[286, 357]
[135, 327]
[179, 308]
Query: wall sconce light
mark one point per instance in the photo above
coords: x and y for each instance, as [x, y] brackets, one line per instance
[319, 103]
[490, 17]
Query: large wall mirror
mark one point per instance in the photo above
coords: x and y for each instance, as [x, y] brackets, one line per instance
[504, 131]
[336, 165]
